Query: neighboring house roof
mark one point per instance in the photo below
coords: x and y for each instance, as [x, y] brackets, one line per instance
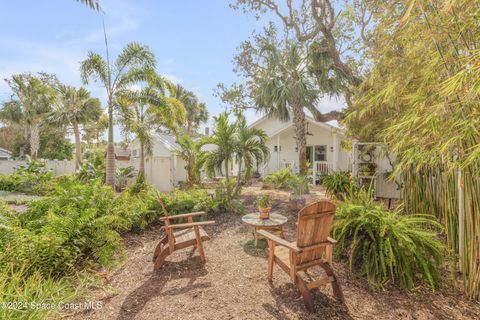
[168, 140]
[121, 153]
[326, 125]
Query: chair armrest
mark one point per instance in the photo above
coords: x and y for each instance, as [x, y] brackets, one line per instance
[183, 215]
[279, 241]
[189, 225]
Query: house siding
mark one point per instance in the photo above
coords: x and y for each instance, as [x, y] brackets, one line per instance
[320, 135]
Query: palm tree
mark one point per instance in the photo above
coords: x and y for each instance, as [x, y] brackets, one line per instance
[284, 88]
[149, 109]
[92, 4]
[250, 149]
[191, 152]
[224, 138]
[135, 63]
[196, 112]
[93, 130]
[31, 101]
[75, 107]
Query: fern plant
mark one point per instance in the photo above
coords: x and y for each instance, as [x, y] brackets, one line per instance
[388, 245]
[338, 184]
[279, 179]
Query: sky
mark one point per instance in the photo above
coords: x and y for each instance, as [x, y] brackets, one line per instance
[194, 41]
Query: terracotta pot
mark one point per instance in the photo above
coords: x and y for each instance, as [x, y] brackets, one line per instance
[265, 212]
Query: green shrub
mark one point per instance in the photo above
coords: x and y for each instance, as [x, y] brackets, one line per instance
[279, 179]
[30, 179]
[93, 168]
[387, 245]
[338, 184]
[298, 184]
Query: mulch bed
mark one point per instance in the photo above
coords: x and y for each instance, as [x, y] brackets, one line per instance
[233, 284]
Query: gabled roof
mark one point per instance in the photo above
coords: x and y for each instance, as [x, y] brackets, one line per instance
[289, 124]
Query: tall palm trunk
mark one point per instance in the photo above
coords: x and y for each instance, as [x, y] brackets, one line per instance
[299, 123]
[34, 140]
[189, 126]
[78, 145]
[239, 177]
[227, 178]
[142, 158]
[110, 174]
[192, 178]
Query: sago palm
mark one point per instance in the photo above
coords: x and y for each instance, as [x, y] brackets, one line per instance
[135, 63]
[75, 107]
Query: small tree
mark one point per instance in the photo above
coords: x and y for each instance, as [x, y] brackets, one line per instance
[223, 138]
[234, 141]
[190, 151]
[250, 149]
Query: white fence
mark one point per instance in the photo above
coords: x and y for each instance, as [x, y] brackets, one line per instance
[58, 167]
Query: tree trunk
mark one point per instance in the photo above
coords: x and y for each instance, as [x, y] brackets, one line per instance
[192, 178]
[142, 158]
[34, 140]
[189, 126]
[239, 177]
[110, 174]
[227, 178]
[299, 123]
[78, 145]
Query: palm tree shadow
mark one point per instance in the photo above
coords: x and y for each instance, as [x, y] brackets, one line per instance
[191, 269]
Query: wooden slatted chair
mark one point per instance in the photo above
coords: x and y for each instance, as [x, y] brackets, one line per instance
[190, 234]
[313, 247]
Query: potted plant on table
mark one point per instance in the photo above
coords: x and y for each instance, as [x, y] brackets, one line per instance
[264, 204]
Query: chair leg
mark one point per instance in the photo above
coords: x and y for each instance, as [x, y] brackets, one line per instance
[305, 292]
[159, 247]
[271, 259]
[160, 259]
[337, 289]
[199, 244]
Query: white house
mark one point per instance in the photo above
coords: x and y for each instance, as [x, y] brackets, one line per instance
[324, 150]
[164, 168]
[5, 154]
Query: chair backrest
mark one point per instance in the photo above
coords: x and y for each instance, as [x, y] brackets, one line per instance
[313, 228]
[162, 204]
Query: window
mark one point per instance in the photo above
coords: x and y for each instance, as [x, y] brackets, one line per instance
[320, 153]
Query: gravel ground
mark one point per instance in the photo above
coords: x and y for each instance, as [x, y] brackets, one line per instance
[233, 285]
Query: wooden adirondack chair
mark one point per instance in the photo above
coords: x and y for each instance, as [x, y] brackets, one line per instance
[190, 234]
[313, 227]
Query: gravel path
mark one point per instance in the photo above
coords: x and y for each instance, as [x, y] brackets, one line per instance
[233, 284]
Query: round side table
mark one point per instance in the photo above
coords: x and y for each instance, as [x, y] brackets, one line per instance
[274, 222]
